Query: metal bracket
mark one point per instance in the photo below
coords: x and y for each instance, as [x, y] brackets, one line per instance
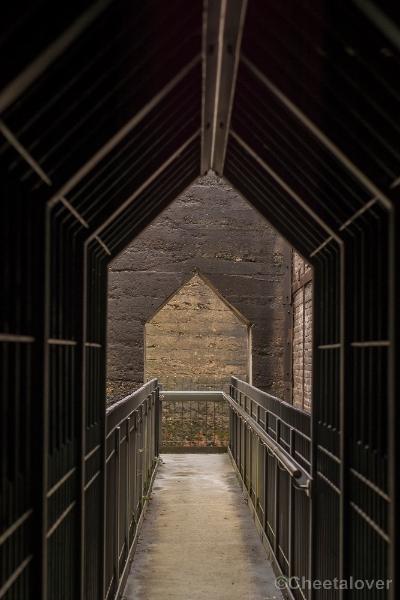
[304, 487]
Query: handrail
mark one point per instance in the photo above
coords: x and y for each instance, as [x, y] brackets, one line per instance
[119, 411]
[131, 458]
[296, 471]
[270, 449]
[195, 395]
[287, 413]
[287, 462]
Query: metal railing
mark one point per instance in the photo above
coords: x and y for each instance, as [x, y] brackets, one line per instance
[132, 448]
[195, 421]
[268, 441]
[270, 446]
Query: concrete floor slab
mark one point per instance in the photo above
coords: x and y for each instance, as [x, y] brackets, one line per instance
[198, 540]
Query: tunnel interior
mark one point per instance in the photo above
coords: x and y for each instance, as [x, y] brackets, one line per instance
[108, 112]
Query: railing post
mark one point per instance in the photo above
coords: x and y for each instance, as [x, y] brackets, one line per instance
[291, 508]
[134, 467]
[125, 422]
[152, 425]
[149, 434]
[276, 524]
[144, 447]
[148, 439]
[257, 482]
[146, 443]
[242, 441]
[117, 503]
[158, 421]
[265, 507]
[276, 457]
[140, 456]
[128, 483]
[231, 440]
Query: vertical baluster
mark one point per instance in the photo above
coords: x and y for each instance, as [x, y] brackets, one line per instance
[147, 442]
[276, 496]
[116, 511]
[291, 514]
[257, 482]
[140, 456]
[128, 484]
[134, 467]
[152, 428]
[158, 421]
[266, 473]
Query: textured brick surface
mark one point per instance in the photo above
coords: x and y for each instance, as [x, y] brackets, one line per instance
[210, 228]
[302, 333]
[196, 341]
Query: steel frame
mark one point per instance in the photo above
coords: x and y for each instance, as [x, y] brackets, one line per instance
[54, 264]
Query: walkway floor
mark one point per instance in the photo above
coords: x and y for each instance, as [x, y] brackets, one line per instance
[198, 541]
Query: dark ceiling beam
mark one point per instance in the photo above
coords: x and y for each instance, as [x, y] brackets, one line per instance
[365, 181]
[18, 86]
[23, 152]
[380, 20]
[292, 193]
[321, 246]
[211, 25]
[124, 204]
[230, 28]
[121, 134]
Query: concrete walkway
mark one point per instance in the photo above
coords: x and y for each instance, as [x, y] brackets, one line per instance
[198, 541]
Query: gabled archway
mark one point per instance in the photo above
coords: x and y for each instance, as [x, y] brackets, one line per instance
[196, 340]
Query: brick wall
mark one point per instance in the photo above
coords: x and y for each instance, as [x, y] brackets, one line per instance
[302, 332]
[196, 341]
[209, 228]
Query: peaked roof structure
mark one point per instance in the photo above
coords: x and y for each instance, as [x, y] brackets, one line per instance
[109, 109]
[112, 112]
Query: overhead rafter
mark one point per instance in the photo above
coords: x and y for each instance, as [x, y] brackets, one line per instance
[295, 196]
[24, 79]
[223, 27]
[230, 38]
[211, 25]
[122, 133]
[379, 19]
[124, 205]
[320, 135]
[13, 141]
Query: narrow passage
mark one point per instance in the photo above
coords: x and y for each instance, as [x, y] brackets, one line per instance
[198, 541]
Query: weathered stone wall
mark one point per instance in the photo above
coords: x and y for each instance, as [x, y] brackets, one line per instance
[196, 341]
[302, 332]
[209, 228]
